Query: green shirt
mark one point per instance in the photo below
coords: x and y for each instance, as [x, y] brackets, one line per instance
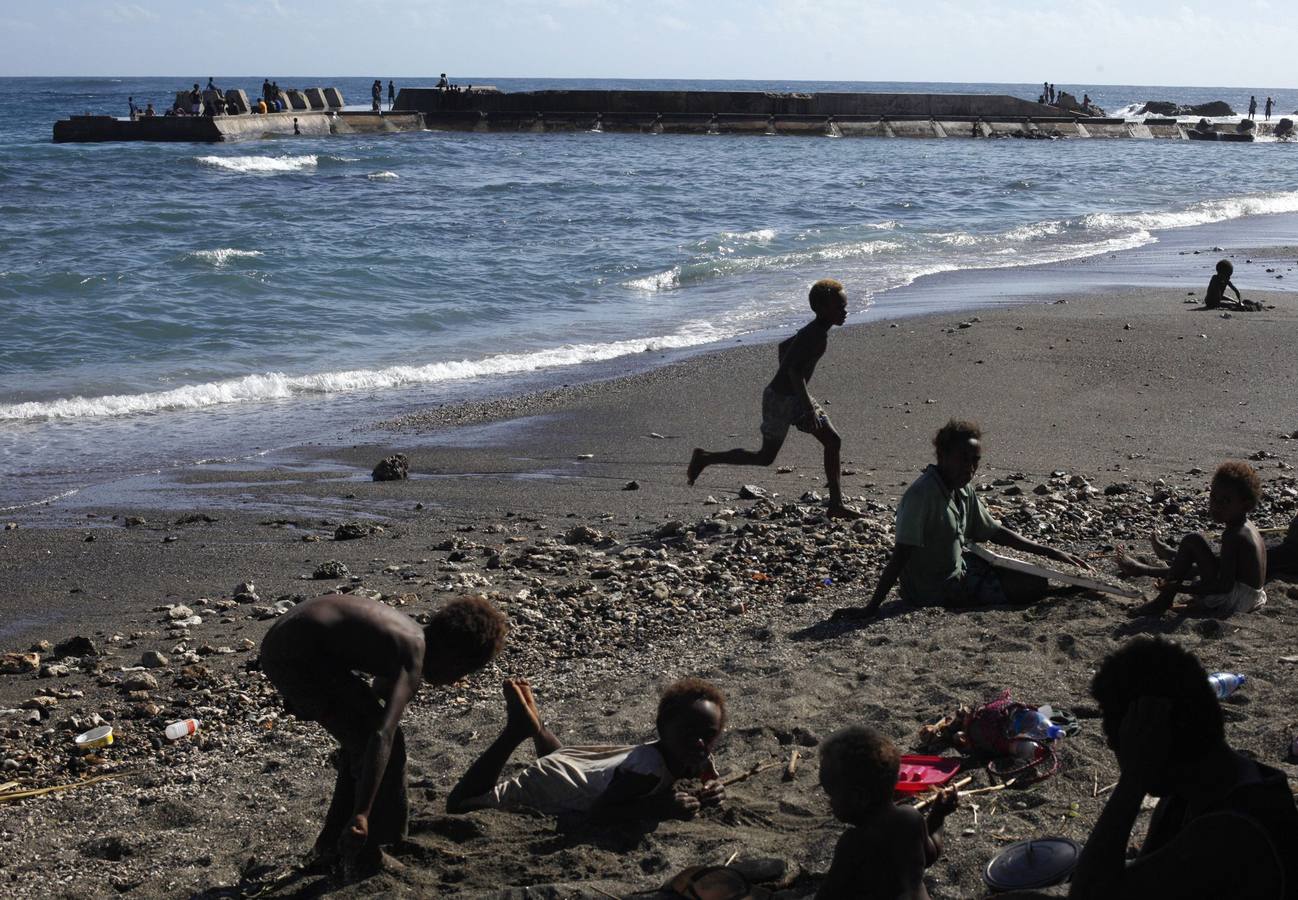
[940, 525]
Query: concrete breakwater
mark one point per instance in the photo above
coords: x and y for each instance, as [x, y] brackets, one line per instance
[755, 112]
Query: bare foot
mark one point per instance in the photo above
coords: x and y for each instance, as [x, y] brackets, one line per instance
[840, 511]
[520, 718]
[696, 466]
[1162, 549]
[1128, 565]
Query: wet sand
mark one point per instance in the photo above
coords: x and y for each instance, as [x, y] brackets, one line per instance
[1134, 387]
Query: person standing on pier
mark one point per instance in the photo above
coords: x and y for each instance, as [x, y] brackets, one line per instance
[376, 94]
[1052, 94]
[135, 110]
[392, 95]
[1252, 107]
[1269, 104]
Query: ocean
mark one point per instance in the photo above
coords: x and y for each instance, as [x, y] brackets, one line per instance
[170, 304]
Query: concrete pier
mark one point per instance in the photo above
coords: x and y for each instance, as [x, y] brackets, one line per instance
[219, 129]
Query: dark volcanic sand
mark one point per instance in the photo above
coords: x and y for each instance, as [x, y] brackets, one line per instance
[1057, 386]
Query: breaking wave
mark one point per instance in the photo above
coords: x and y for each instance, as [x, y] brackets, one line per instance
[383, 176]
[222, 255]
[279, 386]
[246, 165]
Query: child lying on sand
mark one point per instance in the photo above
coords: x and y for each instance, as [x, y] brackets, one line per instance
[603, 783]
[888, 847]
[1229, 584]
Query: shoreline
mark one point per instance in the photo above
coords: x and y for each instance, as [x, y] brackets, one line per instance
[1169, 260]
[1118, 389]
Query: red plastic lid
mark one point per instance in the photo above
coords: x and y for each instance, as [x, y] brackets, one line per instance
[920, 773]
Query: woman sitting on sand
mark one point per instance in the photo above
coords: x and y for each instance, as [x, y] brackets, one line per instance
[601, 782]
[939, 518]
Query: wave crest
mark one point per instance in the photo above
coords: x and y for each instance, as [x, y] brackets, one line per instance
[222, 255]
[245, 165]
[278, 386]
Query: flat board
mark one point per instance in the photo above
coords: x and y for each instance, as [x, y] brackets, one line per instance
[1028, 568]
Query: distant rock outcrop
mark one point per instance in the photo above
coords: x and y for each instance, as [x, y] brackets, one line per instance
[1164, 108]
[1213, 110]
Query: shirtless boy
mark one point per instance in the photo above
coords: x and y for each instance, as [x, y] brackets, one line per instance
[312, 655]
[603, 783]
[1215, 298]
[1226, 584]
[888, 847]
[787, 403]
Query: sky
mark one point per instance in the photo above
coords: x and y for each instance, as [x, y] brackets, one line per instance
[1247, 43]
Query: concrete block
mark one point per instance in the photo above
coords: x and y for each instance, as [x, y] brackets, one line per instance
[333, 98]
[315, 97]
[239, 99]
[297, 101]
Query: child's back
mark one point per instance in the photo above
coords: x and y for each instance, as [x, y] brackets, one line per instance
[881, 857]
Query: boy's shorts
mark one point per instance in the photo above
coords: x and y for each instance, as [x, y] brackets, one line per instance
[782, 411]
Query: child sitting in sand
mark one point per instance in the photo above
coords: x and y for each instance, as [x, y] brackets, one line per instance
[787, 403]
[1217, 285]
[603, 783]
[888, 847]
[1227, 584]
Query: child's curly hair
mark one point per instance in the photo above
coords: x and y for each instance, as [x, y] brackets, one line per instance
[864, 765]
[680, 695]
[824, 289]
[1241, 478]
[470, 628]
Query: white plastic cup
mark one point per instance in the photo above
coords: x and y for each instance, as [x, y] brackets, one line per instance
[183, 728]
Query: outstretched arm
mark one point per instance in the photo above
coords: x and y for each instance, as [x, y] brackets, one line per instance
[375, 760]
[1007, 537]
[888, 577]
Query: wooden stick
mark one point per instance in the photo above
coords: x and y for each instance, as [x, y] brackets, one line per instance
[732, 858]
[600, 890]
[744, 776]
[792, 768]
[8, 786]
[926, 800]
[1278, 529]
[37, 792]
[987, 790]
[1106, 789]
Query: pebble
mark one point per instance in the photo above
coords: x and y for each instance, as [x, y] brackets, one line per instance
[152, 659]
[331, 569]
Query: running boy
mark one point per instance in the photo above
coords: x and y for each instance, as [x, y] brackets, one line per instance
[887, 848]
[312, 654]
[1227, 584]
[599, 782]
[786, 401]
[1217, 285]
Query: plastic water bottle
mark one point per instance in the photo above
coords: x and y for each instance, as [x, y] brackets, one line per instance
[1035, 724]
[1225, 683]
[183, 728]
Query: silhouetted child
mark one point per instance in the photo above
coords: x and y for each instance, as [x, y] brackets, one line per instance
[312, 655]
[1217, 286]
[787, 403]
[602, 783]
[888, 847]
[1227, 584]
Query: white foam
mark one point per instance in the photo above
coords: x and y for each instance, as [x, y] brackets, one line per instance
[278, 386]
[383, 176]
[692, 273]
[1204, 212]
[760, 236]
[252, 164]
[222, 255]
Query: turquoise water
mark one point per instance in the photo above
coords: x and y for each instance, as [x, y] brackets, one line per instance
[168, 303]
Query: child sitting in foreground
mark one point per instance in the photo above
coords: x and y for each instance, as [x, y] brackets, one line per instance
[1215, 298]
[603, 783]
[1229, 584]
[888, 847]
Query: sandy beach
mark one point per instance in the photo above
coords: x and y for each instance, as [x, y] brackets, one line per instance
[612, 593]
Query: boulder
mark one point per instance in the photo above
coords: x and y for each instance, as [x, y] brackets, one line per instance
[1211, 110]
[330, 569]
[392, 468]
[1163, 108]
[76, 646]
[19, 663]
[351, 531]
